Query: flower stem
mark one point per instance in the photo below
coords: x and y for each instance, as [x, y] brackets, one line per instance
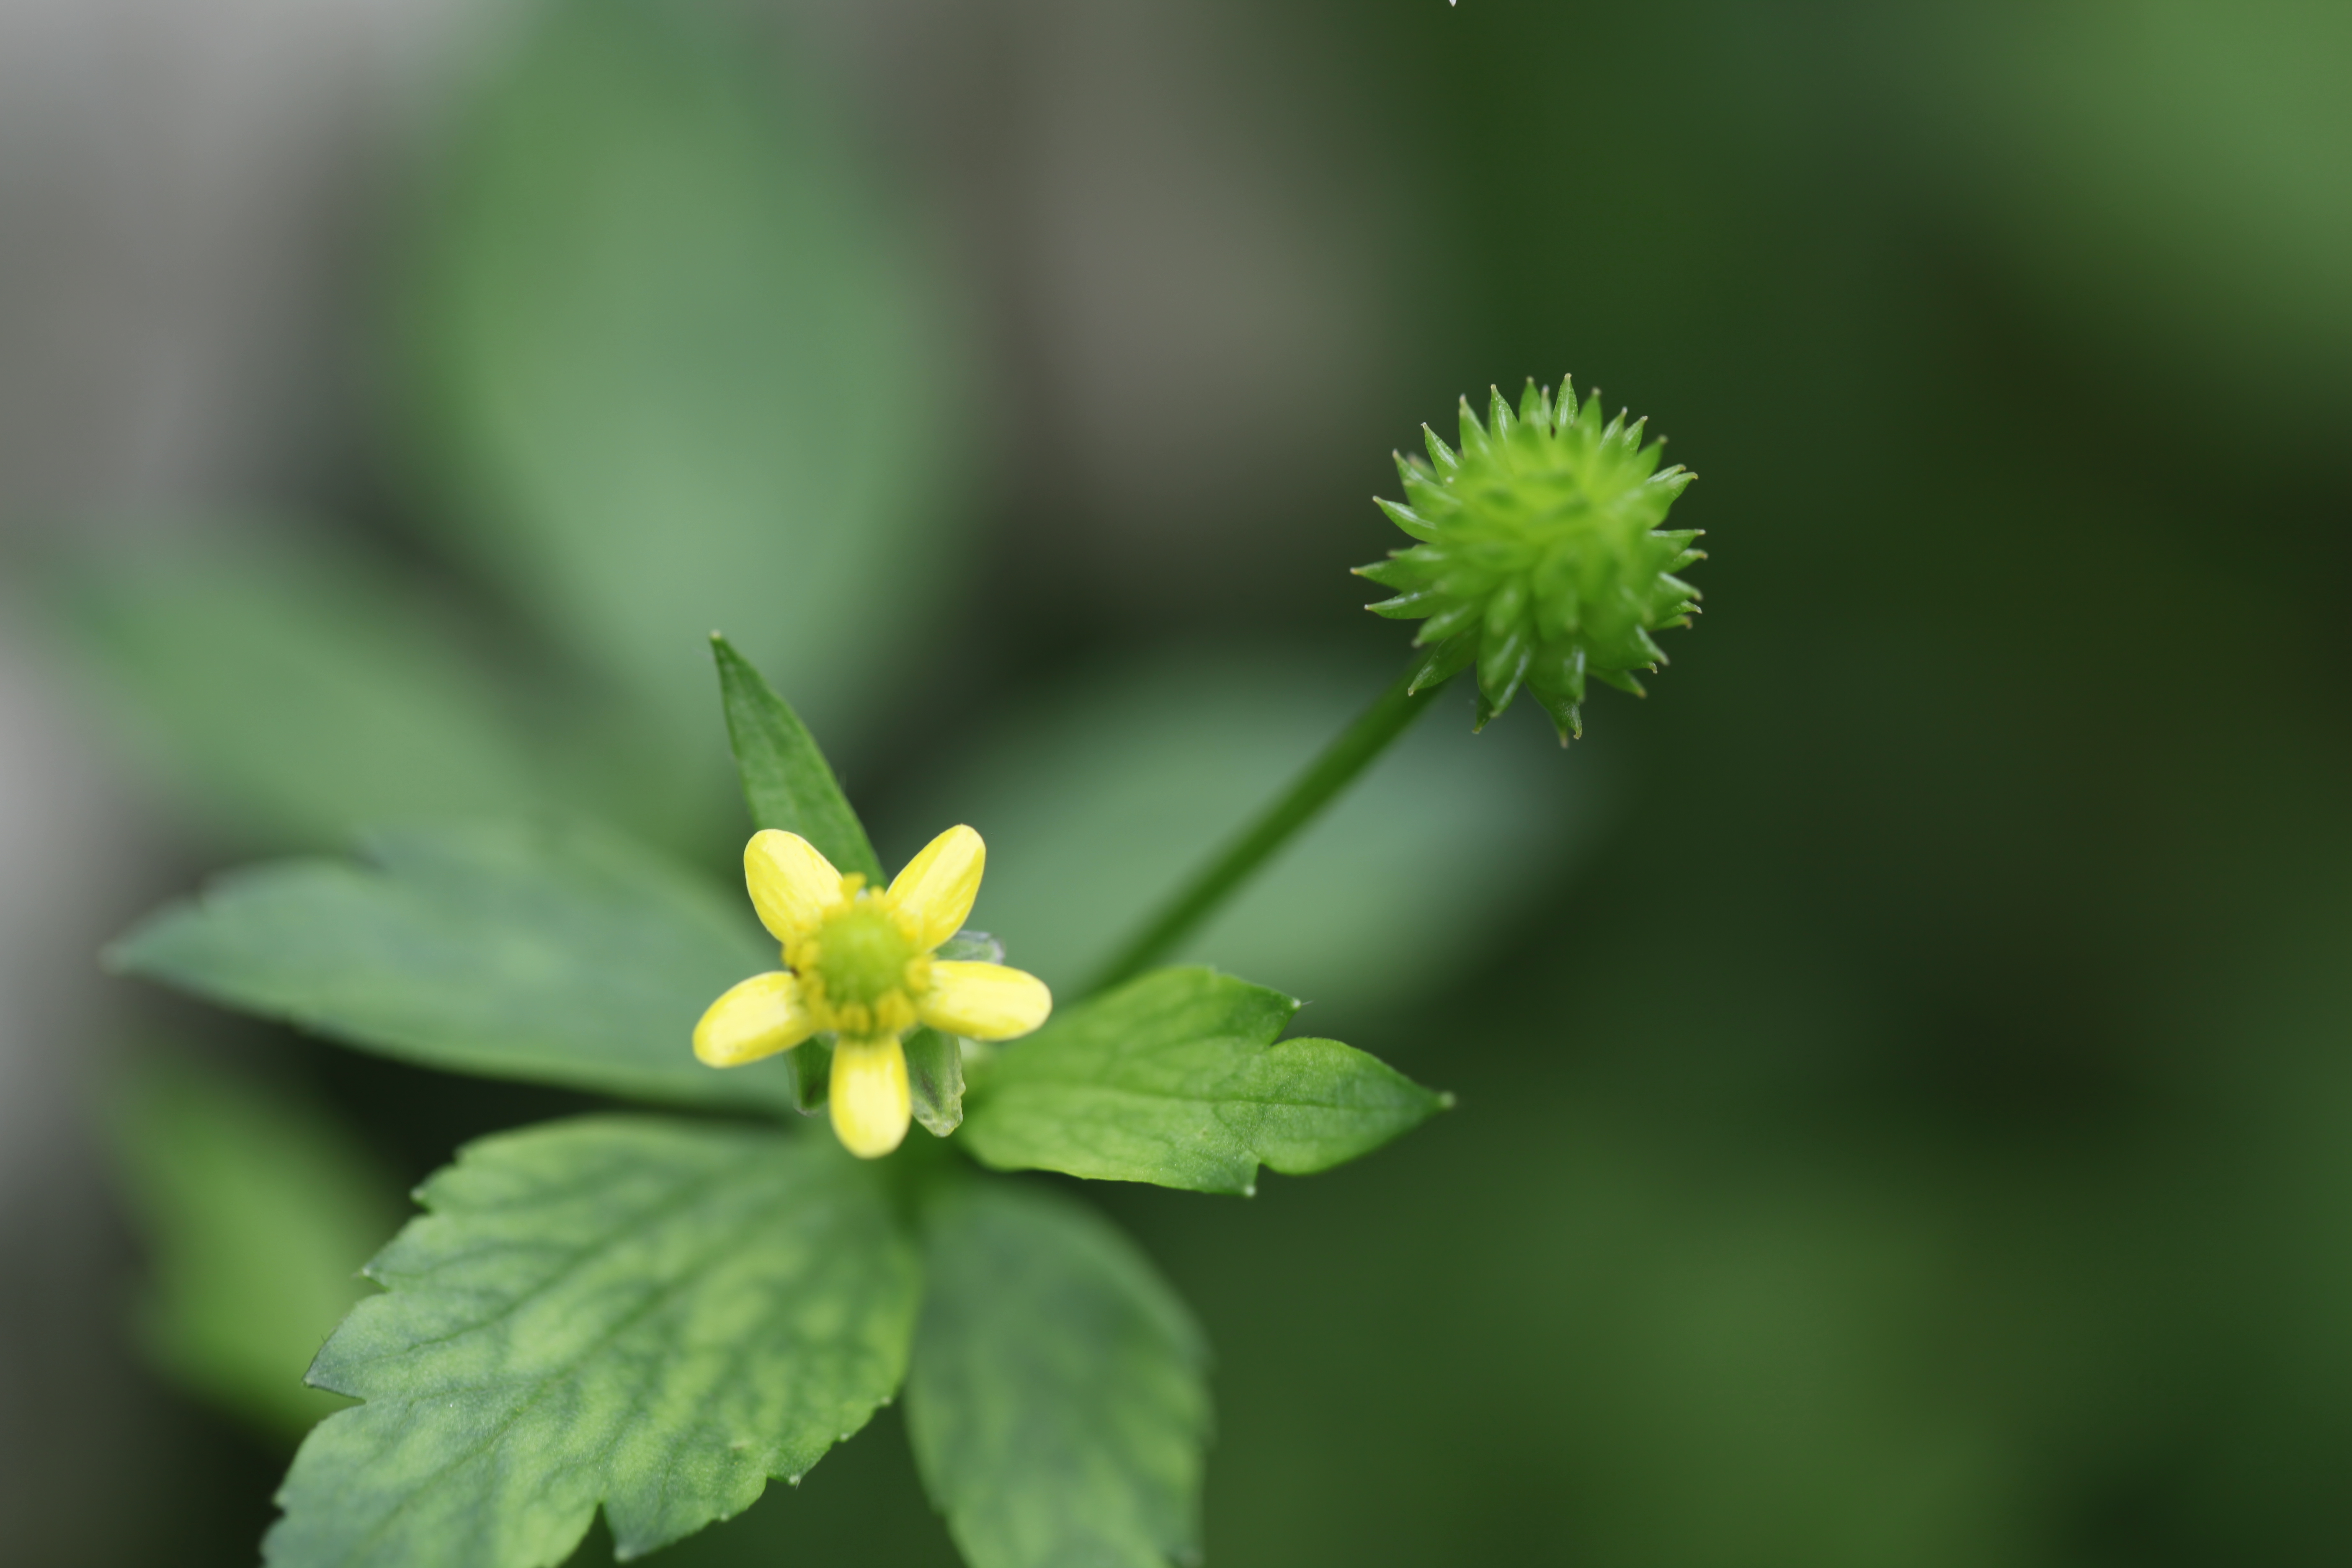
[1353, 749]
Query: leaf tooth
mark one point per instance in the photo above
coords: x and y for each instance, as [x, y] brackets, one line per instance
[1439, 452]
[1499, 415]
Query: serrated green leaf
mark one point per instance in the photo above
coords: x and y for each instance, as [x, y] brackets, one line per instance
[293, 692]
[1175, 1078]
[257, 1213]
[1057, 1402]
[787, 783]
[552, 954]
[651, 1314]
[672, 361]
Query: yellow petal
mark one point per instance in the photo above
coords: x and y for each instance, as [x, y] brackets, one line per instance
[984, 1001]
[758, 1018]
[939, 885]
[868, 1094]
[790, 883]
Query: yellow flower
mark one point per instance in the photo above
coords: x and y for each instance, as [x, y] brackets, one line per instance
[858, 965]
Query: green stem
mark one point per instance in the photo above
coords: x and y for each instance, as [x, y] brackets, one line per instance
[1391, 714]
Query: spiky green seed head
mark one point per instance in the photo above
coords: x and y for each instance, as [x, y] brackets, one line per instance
[1540, 557]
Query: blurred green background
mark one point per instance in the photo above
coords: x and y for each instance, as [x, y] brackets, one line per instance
[1905, 1064]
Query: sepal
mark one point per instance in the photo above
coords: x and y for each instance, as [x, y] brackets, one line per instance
[970, 946]
[935, 1080]
[812, 1075]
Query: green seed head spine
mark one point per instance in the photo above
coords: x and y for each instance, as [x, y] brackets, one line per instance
[1541, 559]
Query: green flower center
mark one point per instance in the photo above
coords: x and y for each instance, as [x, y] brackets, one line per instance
[862, 955]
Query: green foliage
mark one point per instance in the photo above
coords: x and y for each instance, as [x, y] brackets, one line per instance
[1885, 1215]
[554, 955]
[1057, 1402]
[1175, 1079]
[295, 693]
[787, 783]
[653, 1315]
[671, 374]
[1541, 559]
[256, 1217]
[671, 367]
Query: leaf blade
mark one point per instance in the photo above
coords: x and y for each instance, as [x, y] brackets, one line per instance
[1057, 1400]
[787, 783]
[556, 956]
[1176, 1079]
[653, 1315]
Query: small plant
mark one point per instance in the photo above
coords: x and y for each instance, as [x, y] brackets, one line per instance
[658, 1312]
